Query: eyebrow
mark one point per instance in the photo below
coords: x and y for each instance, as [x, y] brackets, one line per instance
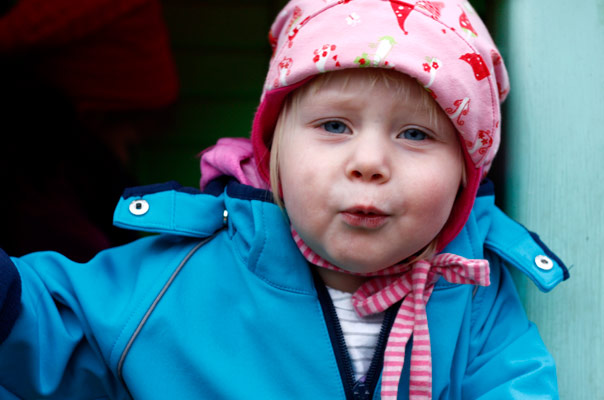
[337, 99]
[334, 99]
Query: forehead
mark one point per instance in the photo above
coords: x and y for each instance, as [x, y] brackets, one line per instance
[352, 87]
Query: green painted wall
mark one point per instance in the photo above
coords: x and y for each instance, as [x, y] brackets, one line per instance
[554, 133]
[221, 51]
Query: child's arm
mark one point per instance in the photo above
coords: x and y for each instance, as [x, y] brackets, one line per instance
[74, 319]
[507, 357]
[49, 349]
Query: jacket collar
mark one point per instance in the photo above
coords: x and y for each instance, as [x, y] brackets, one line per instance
[259, 227]
[509, 240]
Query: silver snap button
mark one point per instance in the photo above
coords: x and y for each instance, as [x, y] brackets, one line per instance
[139, 207]
[544, 263]
[225, 216]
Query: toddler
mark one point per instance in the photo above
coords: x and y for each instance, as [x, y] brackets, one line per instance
[350, 250]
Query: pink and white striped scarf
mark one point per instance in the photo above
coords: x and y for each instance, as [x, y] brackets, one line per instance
[413, 284]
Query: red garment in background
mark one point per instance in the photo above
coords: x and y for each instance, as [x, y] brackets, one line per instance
[104, 54]
[77, 78]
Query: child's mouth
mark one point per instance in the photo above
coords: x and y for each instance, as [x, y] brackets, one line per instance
[364, 217]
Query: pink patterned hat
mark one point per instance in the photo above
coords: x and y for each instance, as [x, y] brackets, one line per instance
[442, 44]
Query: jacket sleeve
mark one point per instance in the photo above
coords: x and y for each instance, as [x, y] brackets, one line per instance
[49, 349]
[10, 295]
[64, 337]
[508, 358]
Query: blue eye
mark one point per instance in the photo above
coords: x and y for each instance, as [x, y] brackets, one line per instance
[414, 134]
[334, 127]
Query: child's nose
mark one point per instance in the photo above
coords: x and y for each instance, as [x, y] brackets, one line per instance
[369, 163]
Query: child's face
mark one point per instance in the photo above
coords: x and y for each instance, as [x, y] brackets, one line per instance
[369, 177]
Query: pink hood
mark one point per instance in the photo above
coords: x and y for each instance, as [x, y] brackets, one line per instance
[442, 44]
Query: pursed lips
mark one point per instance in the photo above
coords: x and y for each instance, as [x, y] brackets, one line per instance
[365, 217]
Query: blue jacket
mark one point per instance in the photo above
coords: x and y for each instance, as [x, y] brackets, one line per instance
[222, 305]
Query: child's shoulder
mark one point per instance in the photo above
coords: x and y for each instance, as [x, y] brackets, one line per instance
[490, 233]
[514, 245]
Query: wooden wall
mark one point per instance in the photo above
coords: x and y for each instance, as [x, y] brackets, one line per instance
[554, 132]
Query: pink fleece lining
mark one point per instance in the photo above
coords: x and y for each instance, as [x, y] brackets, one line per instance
[231, 157]
[463, 205]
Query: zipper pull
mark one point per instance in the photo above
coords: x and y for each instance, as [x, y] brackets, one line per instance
[361, 391]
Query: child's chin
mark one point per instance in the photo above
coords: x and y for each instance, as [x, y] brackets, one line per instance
[361, 267]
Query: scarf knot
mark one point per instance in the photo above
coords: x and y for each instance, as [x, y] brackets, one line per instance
[412, 284]
[414, 288]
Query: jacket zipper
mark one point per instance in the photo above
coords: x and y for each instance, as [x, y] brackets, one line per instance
[363, 389]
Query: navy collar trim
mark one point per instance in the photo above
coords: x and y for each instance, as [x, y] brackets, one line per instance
[486, 188]
[140, 191]
[215, 188]
[237, 190]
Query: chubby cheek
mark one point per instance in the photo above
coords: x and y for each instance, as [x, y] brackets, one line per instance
[298, 183]
[306, 195]
[300, 186]
[436, 207]
[436, 193]
[306, 212]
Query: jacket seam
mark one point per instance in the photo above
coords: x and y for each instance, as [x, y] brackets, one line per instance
[165, 228]
[253, 270]
[449, 285]
[282, 287]
[479, 295]
[152, 308]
